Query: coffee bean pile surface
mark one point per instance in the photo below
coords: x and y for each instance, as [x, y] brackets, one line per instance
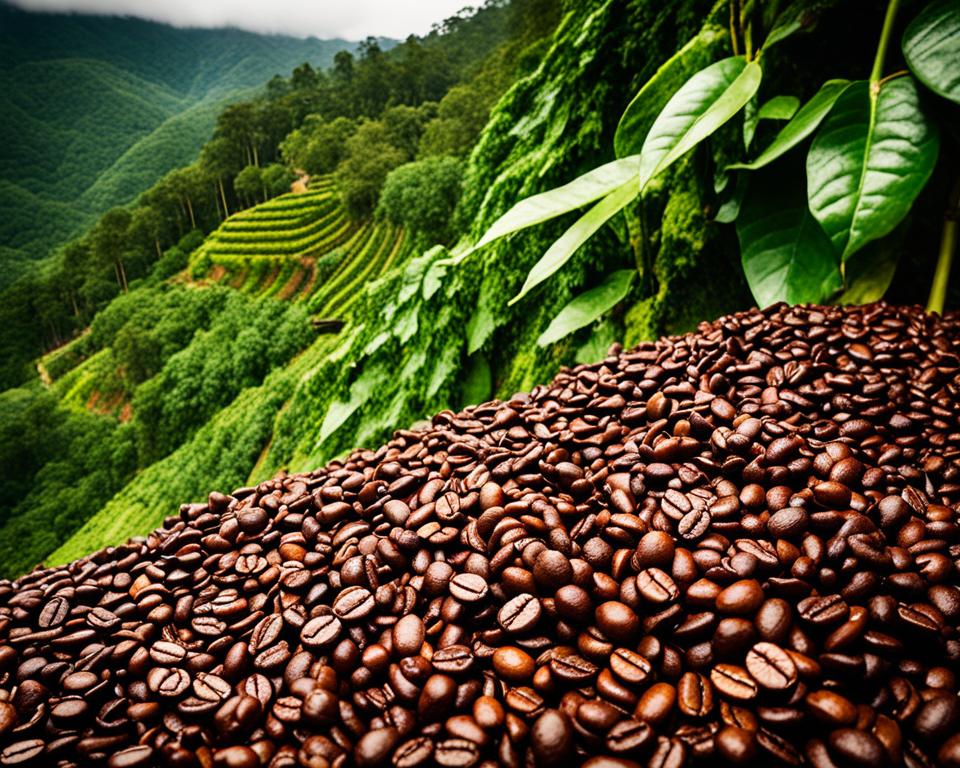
[738, 546]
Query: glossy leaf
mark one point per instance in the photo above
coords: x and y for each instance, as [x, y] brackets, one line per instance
[585, 189]
[786, 255]
[931, 47]
[589, 306]
[869, 161]
[777, 108]
[703, 104]
[800, 127]
[563, 248]
[666, 81]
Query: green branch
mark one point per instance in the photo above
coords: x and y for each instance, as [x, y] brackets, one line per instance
[948, 245]
[877, 72]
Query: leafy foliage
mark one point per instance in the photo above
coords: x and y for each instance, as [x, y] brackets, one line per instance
[422, 196]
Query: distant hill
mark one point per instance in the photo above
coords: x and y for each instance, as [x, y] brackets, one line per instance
[97, 108]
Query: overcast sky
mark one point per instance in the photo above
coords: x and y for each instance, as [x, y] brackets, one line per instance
[350, 19]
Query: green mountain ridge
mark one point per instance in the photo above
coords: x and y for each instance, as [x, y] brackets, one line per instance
[97, 108]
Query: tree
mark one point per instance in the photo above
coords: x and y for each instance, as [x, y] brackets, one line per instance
[110, 242]
[423, 196]
[277, 179]
[370, 156]
[248, 184]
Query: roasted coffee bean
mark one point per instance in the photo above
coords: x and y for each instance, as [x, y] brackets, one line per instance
[468, 587]
[320, 631]
[520, 614]
[733, 682]
[737, 546]
[771, 667]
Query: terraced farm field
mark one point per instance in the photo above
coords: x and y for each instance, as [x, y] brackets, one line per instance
[302, 247]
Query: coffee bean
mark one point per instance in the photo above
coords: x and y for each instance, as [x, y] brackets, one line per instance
[320, 631]
[520, 614]
[453, 659]
[353, 604]
[694, 694]
[618, 621]
[656, 586]
[630, 666]
[468, 587]
[734, 546]
[408, 635]
[742, 598]
[551, 738]
[513, 664]
[733, 682]
[771, 667]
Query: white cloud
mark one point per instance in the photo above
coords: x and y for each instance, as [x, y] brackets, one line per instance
[350, 19]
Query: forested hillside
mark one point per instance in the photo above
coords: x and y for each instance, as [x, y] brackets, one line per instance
[97, 108]
[155, 350]
[224, 328]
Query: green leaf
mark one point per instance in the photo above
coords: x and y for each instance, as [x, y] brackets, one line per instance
[931, 46]
[802, 125]
[703, 104]
[585, 189]
[589, 306]
[869, 162]
[777, 108]
[786, 255]
[869, 272]
[666, 81]
[563, 248]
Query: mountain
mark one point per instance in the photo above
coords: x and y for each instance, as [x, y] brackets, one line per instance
[97, 108]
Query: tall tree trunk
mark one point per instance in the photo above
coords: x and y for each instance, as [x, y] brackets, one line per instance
[223, 196]
[256, 156]
[156, 243]
[193, 219]
[121, 274]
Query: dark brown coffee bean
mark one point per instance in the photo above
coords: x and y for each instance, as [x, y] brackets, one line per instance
[742, 598]
[453, 659]
[413, 753]
[629, 737]
[854, 747]
[140, 756]
[694, 695]
[408, 635]
[22, 751]
[617, 621]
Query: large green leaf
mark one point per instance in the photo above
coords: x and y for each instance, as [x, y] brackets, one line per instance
[585, 189]
[589, 306]
[563, 248]
[931, 46]
[703, 104]
[802, 125]
[786, 255]
[666, 81]
[869, 161]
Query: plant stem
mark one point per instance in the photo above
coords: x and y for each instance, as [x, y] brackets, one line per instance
[734, 45]
[877, 72]
[948, 244]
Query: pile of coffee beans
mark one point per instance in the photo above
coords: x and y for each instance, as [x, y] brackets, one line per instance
[737, 546]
